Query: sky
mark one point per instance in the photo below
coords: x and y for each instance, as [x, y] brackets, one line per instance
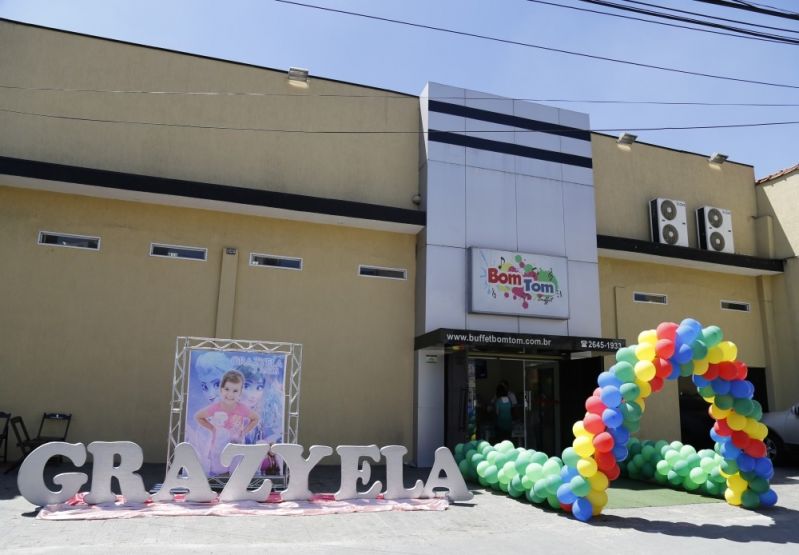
[388, 55]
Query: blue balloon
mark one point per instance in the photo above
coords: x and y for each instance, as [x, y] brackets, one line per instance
[682, 355]
[720, 387]
[686, 334]
[612, 418]
[764, 468]
[565, 494]
[620, 452]
[582, 509]
[611, 396]
[738, 389]
[607, 379]
[700, 381]
[746, 463]
[729, 451]
[767, 499]
[567, 473]
[675, 372]
[718, 438]
[693, 324]
[621, 435]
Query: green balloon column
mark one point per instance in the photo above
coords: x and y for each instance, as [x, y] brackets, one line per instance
[576, 482]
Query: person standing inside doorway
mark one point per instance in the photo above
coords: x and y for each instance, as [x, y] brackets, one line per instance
[503, 423]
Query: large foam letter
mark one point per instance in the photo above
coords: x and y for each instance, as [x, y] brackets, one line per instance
[30, 479]
[251, 458]
[452, 480]
[185, 457]
[351, 471]
[103, 469]
[395, 488]
[299, 468]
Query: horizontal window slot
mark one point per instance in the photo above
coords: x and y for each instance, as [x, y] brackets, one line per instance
[736, 305]
[387, 273]
[178, 251]
[69, 240]
[271, 261]
[653, 298]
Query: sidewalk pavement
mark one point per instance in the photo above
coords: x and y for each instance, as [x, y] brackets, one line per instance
[491, 523]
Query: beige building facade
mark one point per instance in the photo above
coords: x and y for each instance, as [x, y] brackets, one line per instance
[136, 146]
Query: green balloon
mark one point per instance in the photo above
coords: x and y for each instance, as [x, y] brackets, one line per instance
[516, 489]
[743, 407]
[464, 467]
[706, 391]
[750, 499]
[553, 483]
[663, 467]
[476, 459]
[661, 478]
[627, 354]
[723, 402]
[687, 369]
[534, 471]
[698, 349]
[698, 475]
[527, 482]
[729, 466]
[552, 467]
[689, 484]
[533, 498]
[459, 452]
[580, 486]
[624, 371]
[759, 485]
[681, 467]
[757, 411]
[632, 427]
[674, 478]
[630, 391]
[491, 474]
[712, 335]
[540, 488]
[540, 458]
[553, 501]
[671, 456]
[504, 486]
[570, 457]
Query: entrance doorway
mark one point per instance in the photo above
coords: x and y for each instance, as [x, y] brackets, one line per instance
[533, 387]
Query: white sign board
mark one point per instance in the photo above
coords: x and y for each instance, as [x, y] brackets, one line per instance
[519, 284]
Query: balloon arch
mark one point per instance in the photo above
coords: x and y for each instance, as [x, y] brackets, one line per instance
[577, 481]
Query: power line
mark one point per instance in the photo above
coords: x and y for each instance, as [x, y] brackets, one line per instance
[741, 31]
[631, 18]
[538, 46]
[712, 16]
[383, 132]
[411, 98]
[752, 8]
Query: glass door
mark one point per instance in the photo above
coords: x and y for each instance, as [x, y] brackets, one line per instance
[541, 406]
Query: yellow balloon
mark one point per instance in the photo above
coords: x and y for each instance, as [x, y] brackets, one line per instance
[641, 403]
[709, 399]
[715, 355]
[599, 481]
[644, 370]
[579, 430]
[732, 497]
[718, 413]
[648, 336]
[586, 467]
[645, 351]
[597, 498]
[583, 446]
[737, 484]
[701, 366]
[729, 350]
[736, 421]
[646, 389]
[759, 430]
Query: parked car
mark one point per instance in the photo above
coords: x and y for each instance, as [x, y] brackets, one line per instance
[783, 433]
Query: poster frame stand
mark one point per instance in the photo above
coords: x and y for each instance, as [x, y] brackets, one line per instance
[179, 400]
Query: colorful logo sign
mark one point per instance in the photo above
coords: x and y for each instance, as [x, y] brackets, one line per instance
[518, 283]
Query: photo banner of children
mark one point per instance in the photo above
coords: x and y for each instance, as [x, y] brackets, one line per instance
[235, 397]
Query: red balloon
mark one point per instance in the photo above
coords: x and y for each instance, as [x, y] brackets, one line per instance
[727, 370]
[613, 473]
[664, 348]
[604, 442]
[740, 439]
[565, 507]
[594, 405]
[712, 372]
[662, 368]
[667, 330]
[605, 460]
[656, 384]
[722, 428]
[756, 449]
[743, 370]
[597, 391]
[593, 423]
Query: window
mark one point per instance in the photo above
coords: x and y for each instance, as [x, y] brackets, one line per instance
[272, 261]
[388, 273]
[654, 298]
[68, 240]
[735, 305]
[177, 251]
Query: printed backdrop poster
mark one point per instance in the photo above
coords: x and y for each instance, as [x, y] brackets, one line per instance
[518, 283]
[234, 397]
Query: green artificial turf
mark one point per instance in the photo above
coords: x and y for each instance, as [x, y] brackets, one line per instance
[631, 494]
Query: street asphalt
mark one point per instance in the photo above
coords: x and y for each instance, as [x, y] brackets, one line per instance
[491, 523]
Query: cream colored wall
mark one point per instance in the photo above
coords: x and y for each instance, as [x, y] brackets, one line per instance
[626, 179]
[379, 168]
[691, 293]
[778, 201]
[93, 333]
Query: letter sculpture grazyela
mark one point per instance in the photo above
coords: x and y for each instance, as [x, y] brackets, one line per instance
[577, 480]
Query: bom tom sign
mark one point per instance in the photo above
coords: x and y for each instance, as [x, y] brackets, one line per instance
[518, 284]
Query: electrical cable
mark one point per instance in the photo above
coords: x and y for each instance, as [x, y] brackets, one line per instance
[537, 46]
[752, 8]
[711, 16]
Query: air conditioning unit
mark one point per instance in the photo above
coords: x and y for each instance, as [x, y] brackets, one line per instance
[667, 219]
[714, 229]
